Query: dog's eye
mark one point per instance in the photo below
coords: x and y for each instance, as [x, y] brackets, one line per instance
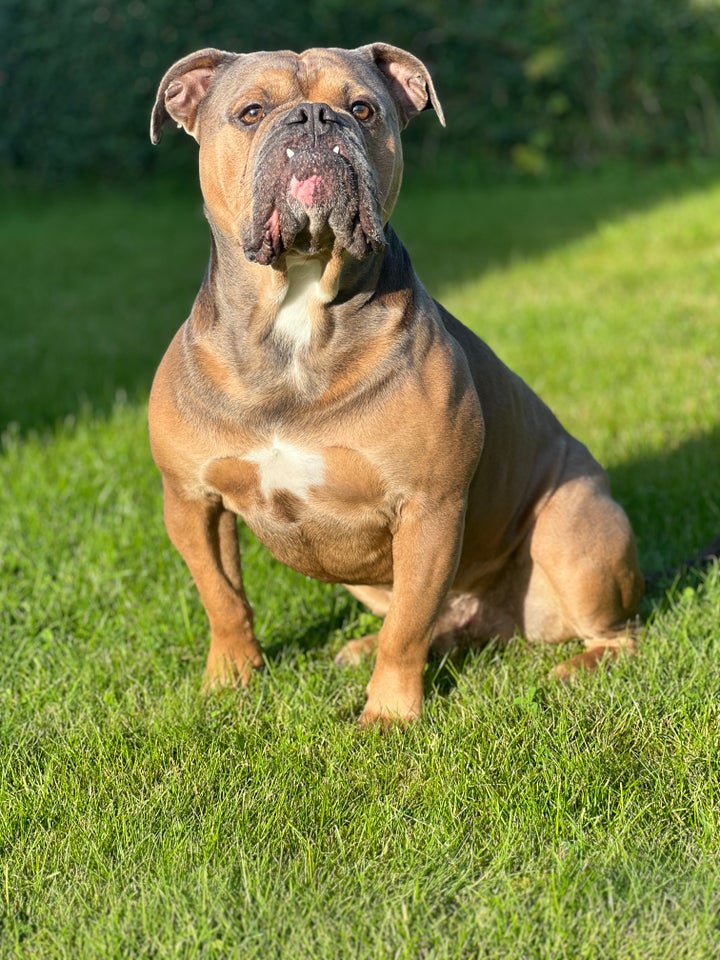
[252, 114]
[361, 111]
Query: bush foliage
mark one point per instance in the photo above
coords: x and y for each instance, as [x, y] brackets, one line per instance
[526, 81]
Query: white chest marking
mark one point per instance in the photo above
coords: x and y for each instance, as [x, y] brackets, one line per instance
[293, 321]
[284, 467]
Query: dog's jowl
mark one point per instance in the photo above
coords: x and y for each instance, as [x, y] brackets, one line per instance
[363, 433]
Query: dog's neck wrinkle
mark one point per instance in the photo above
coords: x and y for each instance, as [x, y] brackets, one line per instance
[260, 386]
[273, 361]
[249, 298]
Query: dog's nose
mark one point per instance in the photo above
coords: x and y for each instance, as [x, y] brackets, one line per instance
[319, 118]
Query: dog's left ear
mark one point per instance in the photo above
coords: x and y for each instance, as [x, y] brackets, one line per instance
[183, 87]
[407, 78]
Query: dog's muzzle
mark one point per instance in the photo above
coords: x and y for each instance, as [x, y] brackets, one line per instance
[314, 188]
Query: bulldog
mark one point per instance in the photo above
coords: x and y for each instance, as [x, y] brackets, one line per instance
[360, 431]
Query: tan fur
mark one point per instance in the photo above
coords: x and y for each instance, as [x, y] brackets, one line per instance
[384, 446]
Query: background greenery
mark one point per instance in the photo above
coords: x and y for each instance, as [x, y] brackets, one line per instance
[525, 82]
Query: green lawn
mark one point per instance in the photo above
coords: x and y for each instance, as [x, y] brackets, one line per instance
[519, 818]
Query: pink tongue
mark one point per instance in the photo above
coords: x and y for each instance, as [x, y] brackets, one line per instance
[304, 190]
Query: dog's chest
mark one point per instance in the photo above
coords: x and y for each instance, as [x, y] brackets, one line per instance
[282, 466]
[321, 510]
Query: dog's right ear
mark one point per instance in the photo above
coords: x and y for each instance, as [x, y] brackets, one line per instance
[183, 87]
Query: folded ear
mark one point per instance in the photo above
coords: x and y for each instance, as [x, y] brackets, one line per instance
[182, 89]
[407, 78]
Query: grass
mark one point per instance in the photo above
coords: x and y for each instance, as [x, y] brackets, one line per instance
[518, 818]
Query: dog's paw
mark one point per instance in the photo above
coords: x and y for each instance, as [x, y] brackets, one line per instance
[222, 673]
[595, 655]
[386, 717]
[390, 703]
[355, 651]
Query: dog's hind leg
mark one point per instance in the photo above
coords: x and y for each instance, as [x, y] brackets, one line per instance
[377, 600]
[464, 621]
[585, 580]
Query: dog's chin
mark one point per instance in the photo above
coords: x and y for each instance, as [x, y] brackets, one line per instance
[312, 201]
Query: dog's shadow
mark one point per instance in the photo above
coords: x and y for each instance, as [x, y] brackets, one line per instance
[673, 500]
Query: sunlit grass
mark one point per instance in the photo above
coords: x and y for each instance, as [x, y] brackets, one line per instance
[519, 818]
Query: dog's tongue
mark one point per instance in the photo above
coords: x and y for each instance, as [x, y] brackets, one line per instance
[305, 190]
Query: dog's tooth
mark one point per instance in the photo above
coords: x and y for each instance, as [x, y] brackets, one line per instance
[336, 149]
[290, 153]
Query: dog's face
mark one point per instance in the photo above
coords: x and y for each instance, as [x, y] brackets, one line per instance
[298, 152]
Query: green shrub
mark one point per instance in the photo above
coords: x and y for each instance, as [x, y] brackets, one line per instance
[521, 81]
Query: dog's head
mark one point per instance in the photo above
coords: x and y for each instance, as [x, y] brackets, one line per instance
[298, 152]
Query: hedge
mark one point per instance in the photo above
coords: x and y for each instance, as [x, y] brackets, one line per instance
[525, 82]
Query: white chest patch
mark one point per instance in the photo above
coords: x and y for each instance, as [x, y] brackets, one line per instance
[284, 467]
[293, 321]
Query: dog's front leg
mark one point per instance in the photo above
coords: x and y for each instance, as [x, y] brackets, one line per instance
[426, 549]
[205, 534]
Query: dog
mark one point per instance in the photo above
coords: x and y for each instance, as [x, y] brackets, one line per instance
[360, 431]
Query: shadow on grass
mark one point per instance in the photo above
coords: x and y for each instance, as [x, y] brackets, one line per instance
[96, 282]
[673, 500]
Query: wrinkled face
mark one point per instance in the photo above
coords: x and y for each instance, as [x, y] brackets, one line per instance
[300, 153]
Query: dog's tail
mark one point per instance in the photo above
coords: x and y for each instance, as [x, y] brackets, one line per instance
[698, 561]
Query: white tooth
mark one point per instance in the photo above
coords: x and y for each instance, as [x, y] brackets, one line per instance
[290, 153]
[336, 149]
